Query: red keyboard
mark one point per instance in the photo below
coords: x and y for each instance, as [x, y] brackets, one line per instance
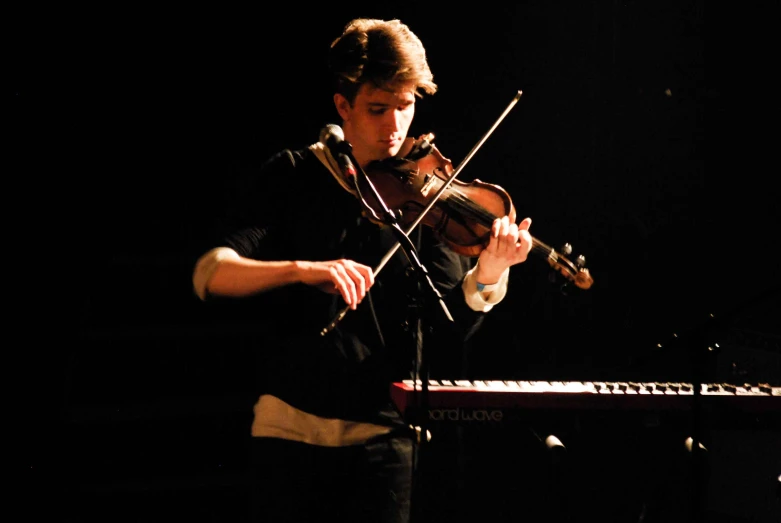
[492, 399]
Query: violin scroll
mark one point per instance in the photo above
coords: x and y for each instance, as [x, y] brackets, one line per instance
[576, 272]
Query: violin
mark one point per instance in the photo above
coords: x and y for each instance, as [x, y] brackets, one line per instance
[460, 213]
[419, 185]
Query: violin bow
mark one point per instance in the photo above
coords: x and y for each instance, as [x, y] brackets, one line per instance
[431, 204]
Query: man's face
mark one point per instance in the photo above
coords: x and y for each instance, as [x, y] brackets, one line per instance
[377, 122]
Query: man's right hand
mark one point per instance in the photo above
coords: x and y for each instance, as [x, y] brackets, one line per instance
[350, 279]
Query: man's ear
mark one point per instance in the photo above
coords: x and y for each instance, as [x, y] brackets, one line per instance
[342, 106]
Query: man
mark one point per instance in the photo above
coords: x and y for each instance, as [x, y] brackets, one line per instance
[327, 439]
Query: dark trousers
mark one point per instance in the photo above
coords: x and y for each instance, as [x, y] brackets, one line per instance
[296, 482]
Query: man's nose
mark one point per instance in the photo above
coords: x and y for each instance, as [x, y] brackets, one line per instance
[394, 120]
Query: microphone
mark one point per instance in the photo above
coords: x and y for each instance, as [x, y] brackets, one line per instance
[332, 137]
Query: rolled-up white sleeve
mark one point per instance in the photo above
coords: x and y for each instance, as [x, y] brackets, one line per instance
[484, 301]
[205, 267]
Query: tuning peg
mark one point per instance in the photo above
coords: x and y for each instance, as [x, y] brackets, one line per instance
[580, 261]
[566, 249]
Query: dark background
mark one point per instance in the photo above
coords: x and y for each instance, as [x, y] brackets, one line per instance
[644, 137]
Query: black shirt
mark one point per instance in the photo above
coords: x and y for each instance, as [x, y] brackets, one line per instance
[294, 209]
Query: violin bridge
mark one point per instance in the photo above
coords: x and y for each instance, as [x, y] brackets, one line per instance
[427, 185]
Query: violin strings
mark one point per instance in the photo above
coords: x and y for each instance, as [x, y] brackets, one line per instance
[462, 203]
[467, 206]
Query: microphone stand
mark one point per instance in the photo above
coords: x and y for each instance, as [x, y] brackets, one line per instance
[420, 404]
[409, 250]
[425, 287]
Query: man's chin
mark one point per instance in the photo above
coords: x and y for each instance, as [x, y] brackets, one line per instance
[394, 150]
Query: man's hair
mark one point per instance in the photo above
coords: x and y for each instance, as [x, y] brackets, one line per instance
[383, 52]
